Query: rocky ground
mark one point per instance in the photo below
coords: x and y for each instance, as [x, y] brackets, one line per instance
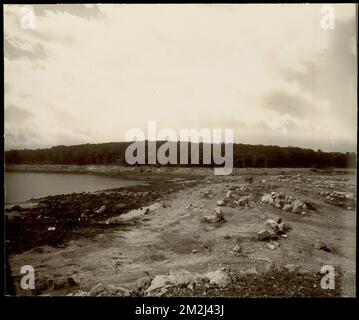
[256, 232]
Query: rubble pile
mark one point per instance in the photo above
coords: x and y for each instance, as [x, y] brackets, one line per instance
[341, 199]
[216, 216]
[183, 281]
[208, 194]
[273, 230]
[286, 202]
[236, 197]
[101, 290]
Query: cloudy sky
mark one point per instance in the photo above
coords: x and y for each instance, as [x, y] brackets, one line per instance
[87, 74]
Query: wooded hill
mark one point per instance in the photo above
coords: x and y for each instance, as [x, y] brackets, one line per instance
[244, 155]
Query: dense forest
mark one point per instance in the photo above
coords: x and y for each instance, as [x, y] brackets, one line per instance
[244, 155]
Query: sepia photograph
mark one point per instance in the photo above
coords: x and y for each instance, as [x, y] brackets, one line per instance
[180, 150]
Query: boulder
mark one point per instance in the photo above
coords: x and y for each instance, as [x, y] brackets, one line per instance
[159, 282]
[271, 246]
[267, 198]
[271, 225]
[287, 207]
[244, 201]
[100, 210]
[249, 271]
[143, 283]
[265, 234]
[97, 290]
[218, 277]
[229, 194]
[297, 205]
[283, 228]
[236, 249]
[350, 196]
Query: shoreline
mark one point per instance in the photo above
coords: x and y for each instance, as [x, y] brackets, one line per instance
[84, 209]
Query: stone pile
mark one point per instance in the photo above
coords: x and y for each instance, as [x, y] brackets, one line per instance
[286, 202]
[341, 199]
[208, 194]
[236, 198]
[216, 216]
[185, 281]
[101, 290]
[273, 230]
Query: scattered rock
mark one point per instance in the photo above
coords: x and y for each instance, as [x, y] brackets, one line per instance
[100, 210]
[292, 267]
[286, 202]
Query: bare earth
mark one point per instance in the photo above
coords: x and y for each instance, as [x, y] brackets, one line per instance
[172, 236]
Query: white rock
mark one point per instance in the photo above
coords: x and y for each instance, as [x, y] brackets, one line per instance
[100, 210]
[160, 281]
[267, 198]
[218, 277]
[229, 194]
[250, 271]
[271, 246]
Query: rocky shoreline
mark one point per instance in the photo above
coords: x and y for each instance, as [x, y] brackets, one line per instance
[53, 220]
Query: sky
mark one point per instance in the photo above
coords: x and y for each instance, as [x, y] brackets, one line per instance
[90, 73]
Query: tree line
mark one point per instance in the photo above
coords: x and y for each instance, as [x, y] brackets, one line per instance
[244, 155]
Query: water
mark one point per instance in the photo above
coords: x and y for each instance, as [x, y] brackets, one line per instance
[23, 186]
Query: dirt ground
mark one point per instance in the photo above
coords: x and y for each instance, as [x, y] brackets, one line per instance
[166, 232]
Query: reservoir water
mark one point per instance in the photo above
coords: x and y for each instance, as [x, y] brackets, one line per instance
[23, 186]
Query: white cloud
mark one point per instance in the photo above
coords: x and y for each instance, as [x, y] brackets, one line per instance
[184, 66]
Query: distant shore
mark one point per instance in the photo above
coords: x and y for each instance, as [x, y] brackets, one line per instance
[153, 171]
